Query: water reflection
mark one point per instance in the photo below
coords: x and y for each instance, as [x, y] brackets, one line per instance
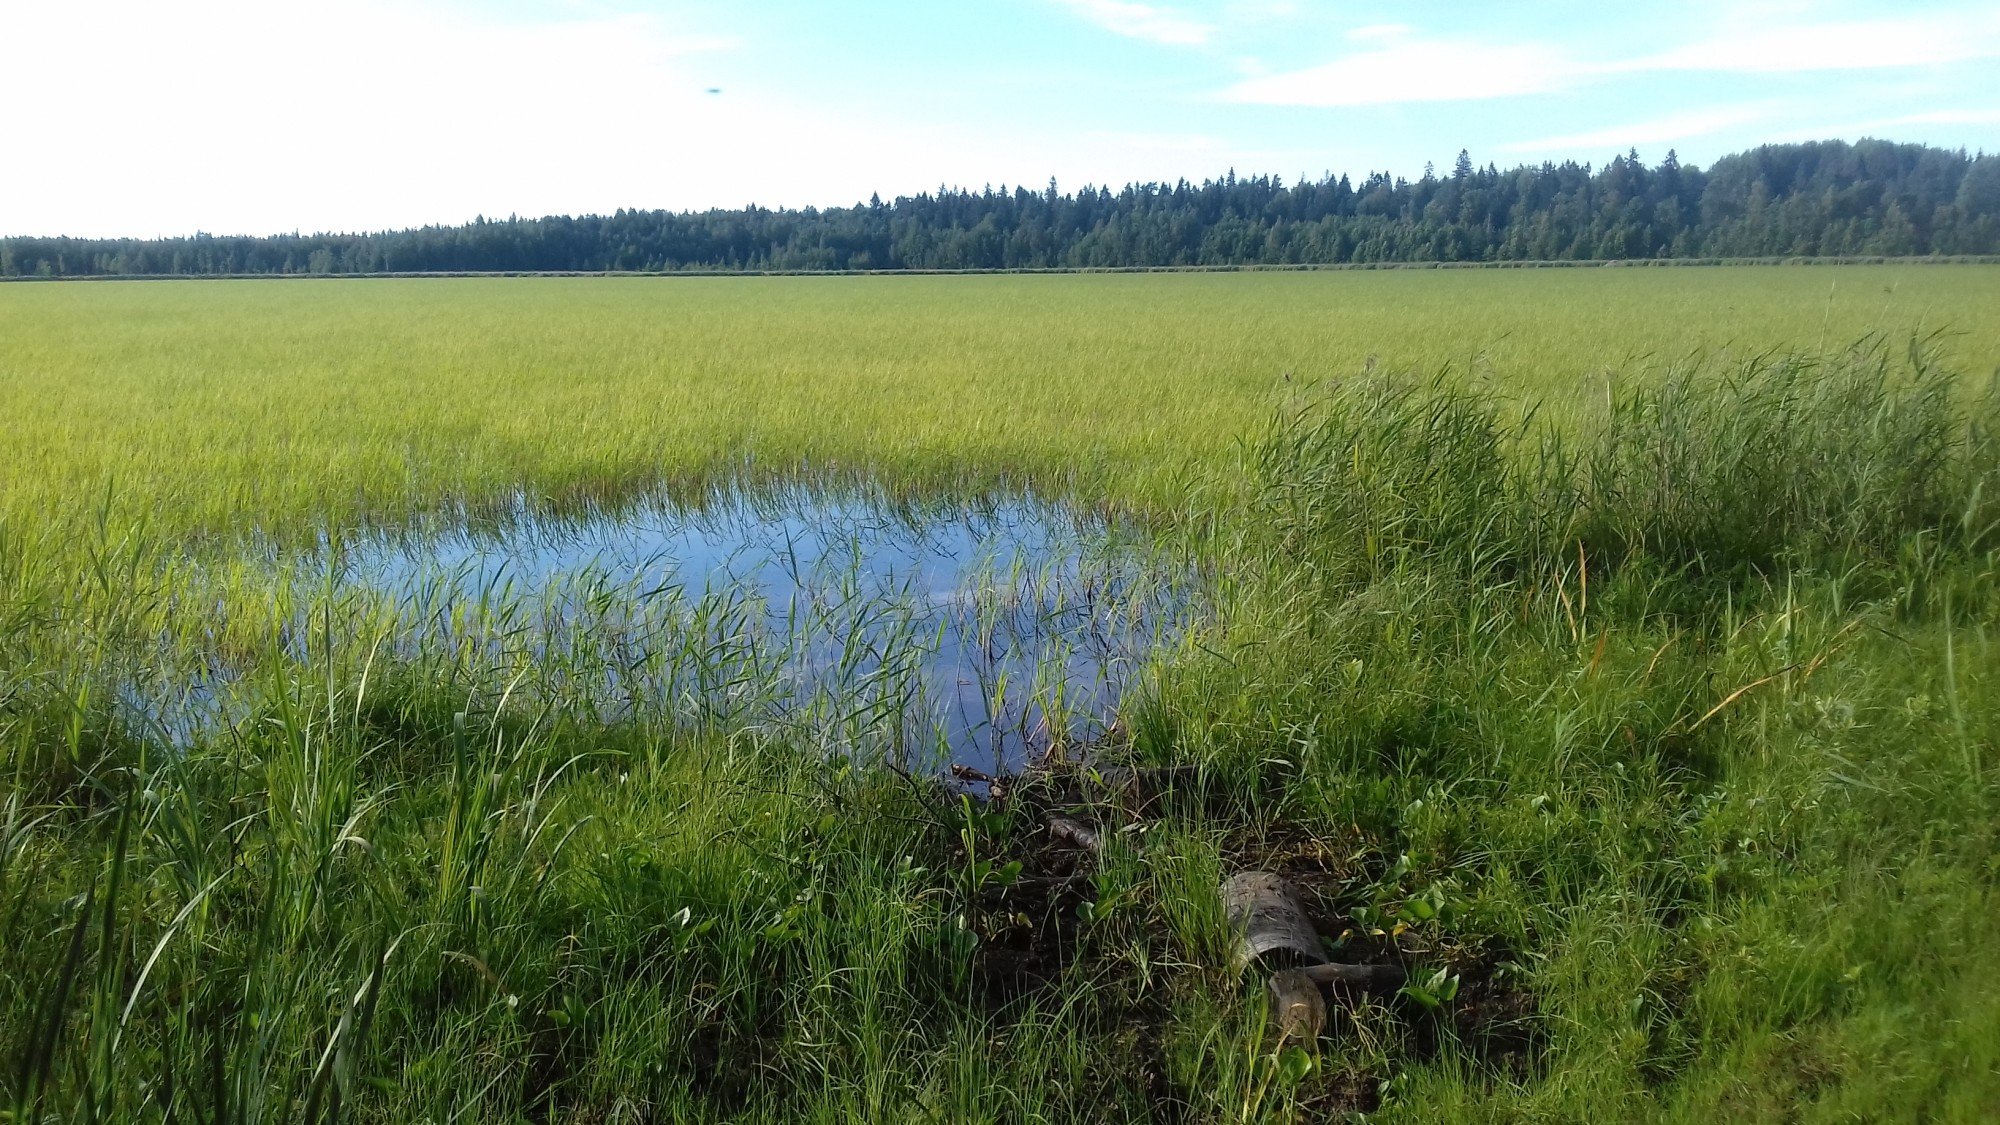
[974, 632]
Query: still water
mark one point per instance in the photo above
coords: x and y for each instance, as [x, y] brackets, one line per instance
[969, 632]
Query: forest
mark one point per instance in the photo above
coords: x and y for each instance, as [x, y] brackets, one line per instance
[1816, 199]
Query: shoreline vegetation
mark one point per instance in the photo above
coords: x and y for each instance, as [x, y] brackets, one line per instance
[1608, 663]
[1300, 267]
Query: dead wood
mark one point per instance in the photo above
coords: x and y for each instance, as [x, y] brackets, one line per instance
[1375, 978]
[1068, 830]
[1139, 785]
[1269, 920]
[1296, 1005]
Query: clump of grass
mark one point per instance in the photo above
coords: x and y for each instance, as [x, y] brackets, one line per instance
[1791, 458]
[1366, 475]
[1784, 460]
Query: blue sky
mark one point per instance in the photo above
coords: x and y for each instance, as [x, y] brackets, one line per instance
[140, 117]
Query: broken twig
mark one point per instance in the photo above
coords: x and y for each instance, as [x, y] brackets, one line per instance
[1075, 833]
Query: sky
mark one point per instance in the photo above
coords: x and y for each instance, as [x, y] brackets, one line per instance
[162, 117]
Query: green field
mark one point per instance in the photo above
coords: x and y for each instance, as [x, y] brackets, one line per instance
[1613, 649]
[226, 399]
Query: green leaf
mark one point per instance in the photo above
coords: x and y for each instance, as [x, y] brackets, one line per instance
[1294, 1064]
[1438, 989]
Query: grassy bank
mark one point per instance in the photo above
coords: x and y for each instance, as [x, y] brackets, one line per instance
[1653, 732]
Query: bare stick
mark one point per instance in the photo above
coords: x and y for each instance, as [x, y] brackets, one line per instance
[1075, 833]
[1372, 977]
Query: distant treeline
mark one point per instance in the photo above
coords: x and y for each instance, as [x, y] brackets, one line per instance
[1820, 199]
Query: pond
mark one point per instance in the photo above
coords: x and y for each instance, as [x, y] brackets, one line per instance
[973, 632]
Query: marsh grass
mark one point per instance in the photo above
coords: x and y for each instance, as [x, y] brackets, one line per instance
[1660, 746]
[291, 407]
[1781, 461]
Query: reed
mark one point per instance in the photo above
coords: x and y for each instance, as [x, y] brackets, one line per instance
[1654, 732]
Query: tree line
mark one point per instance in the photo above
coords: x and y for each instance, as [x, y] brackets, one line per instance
[1816, 199]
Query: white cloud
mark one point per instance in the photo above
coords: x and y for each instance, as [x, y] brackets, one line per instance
[1261, 11]
[1142, 21]
[1674, 127]
[406, 114]
[1376, 32]
[1856, 45]
[1877, 126]
[1440, 70]
[1952, 117]
[1404, 69]
[384, 115]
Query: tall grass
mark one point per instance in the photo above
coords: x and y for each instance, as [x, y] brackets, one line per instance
[1783, 460]
[291, 405]
[1663, 720]
[1659, 743]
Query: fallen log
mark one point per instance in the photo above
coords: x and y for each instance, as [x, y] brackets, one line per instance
[1374, 978]
[1273, 929]
[1269, 920]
